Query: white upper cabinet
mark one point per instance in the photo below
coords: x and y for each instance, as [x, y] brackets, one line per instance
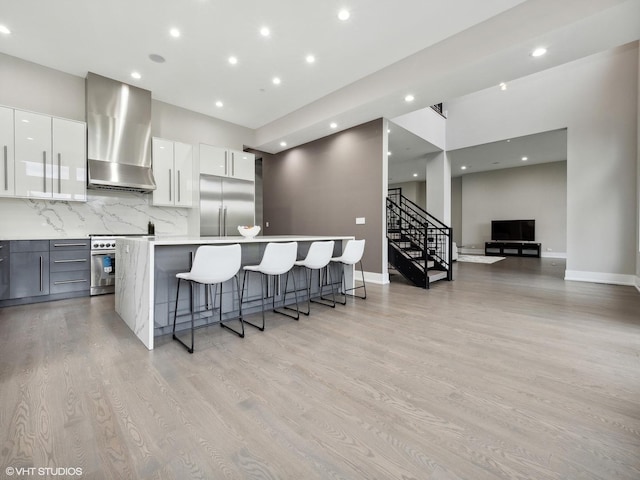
[173, 172]
[33, 166]
[183, 161]
[69, 160]
[213, 160]
[7, 186]
[242, 165]
[49, 157]
[224, 162]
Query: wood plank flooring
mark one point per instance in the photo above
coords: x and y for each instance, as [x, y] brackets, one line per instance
[508, 372]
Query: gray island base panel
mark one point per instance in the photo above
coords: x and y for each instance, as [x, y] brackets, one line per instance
[146, 280]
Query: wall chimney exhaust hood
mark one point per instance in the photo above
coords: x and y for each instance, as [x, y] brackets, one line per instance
[118, 135]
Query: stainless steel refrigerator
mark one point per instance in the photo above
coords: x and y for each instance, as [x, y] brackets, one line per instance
[225, 204]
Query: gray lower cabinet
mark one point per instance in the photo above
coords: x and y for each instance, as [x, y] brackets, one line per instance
[4, 270]
[70, 266]
[41, 270]
[28, 268]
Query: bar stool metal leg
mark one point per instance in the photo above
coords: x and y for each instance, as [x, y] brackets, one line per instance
[240, 332]
[175, 314]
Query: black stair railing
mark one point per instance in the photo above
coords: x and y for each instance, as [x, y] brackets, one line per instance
[416, 238]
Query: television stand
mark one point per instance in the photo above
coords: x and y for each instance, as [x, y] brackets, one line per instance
[512, 249]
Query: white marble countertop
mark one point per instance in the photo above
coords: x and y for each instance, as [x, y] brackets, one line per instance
[198, 240]
[43, 237]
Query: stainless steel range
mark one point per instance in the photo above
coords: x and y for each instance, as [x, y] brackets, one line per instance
[103, 264]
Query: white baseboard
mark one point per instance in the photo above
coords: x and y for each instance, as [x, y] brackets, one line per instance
[638, 283]
[553, 254]
[600, 277]
[470, 251]
[371, 277]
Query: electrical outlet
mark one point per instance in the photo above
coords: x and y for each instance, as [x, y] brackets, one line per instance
[360, 220]
[266, 224]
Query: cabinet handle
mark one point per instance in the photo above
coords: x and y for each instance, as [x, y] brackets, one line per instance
[44, 173]
[69, 244]
[178, 185]
[225, 221]
[71, 261]
[69, 281]
[220, 221]
[41, 273]
[225, 163]
[59, 172]
[233, 164]
[6, 169]
[170, 182]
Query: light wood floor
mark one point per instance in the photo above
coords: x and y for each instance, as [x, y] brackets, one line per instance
[506, 373]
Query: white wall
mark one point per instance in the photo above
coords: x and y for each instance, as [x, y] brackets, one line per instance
[414, 191]
[28, 86]
[425, 123]
[596, 99]
[456, 209]
[536, 192]
[638, 173]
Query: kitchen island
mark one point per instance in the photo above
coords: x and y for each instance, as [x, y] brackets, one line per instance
[146, 284]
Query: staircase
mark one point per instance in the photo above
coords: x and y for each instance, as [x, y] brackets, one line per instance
[419, 244]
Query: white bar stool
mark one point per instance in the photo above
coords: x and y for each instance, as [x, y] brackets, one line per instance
[318, 257]
[278, 259]
[212, 265]
[351, 255]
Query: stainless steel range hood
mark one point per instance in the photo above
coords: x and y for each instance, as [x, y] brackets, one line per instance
[118, 135]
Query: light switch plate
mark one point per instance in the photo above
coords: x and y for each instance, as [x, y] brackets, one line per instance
[360, 220]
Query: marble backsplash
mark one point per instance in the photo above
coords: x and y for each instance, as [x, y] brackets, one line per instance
[104, 212]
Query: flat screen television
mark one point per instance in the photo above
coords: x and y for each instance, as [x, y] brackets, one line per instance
[513, 230]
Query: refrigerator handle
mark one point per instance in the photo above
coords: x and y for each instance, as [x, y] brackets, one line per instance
[233, 164]
[225, 163]
[225, 221]
[220, 221]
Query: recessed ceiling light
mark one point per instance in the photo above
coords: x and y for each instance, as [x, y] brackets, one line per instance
[344, 14]
[265, 32]
[283, 144]
[388, 130]
[524, 159]
[174, 32]
[503, 86]
[333, 125]
[538, 52]
[409, 98]
[463, 167]
[136, 75]
[233, 60]
[276, 81]
[24, 120]
[415, 174]
[154, 57]
[219, 104]
[310, 59]
[389, 153]
[4, 30]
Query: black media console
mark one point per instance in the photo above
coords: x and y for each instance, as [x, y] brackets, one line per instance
[513, 249]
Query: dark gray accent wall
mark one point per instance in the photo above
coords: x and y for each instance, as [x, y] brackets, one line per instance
[319, 188]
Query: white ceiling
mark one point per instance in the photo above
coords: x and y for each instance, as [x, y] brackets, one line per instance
[539, 148]
[408, 159]
[365, 66]
[410, 153]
